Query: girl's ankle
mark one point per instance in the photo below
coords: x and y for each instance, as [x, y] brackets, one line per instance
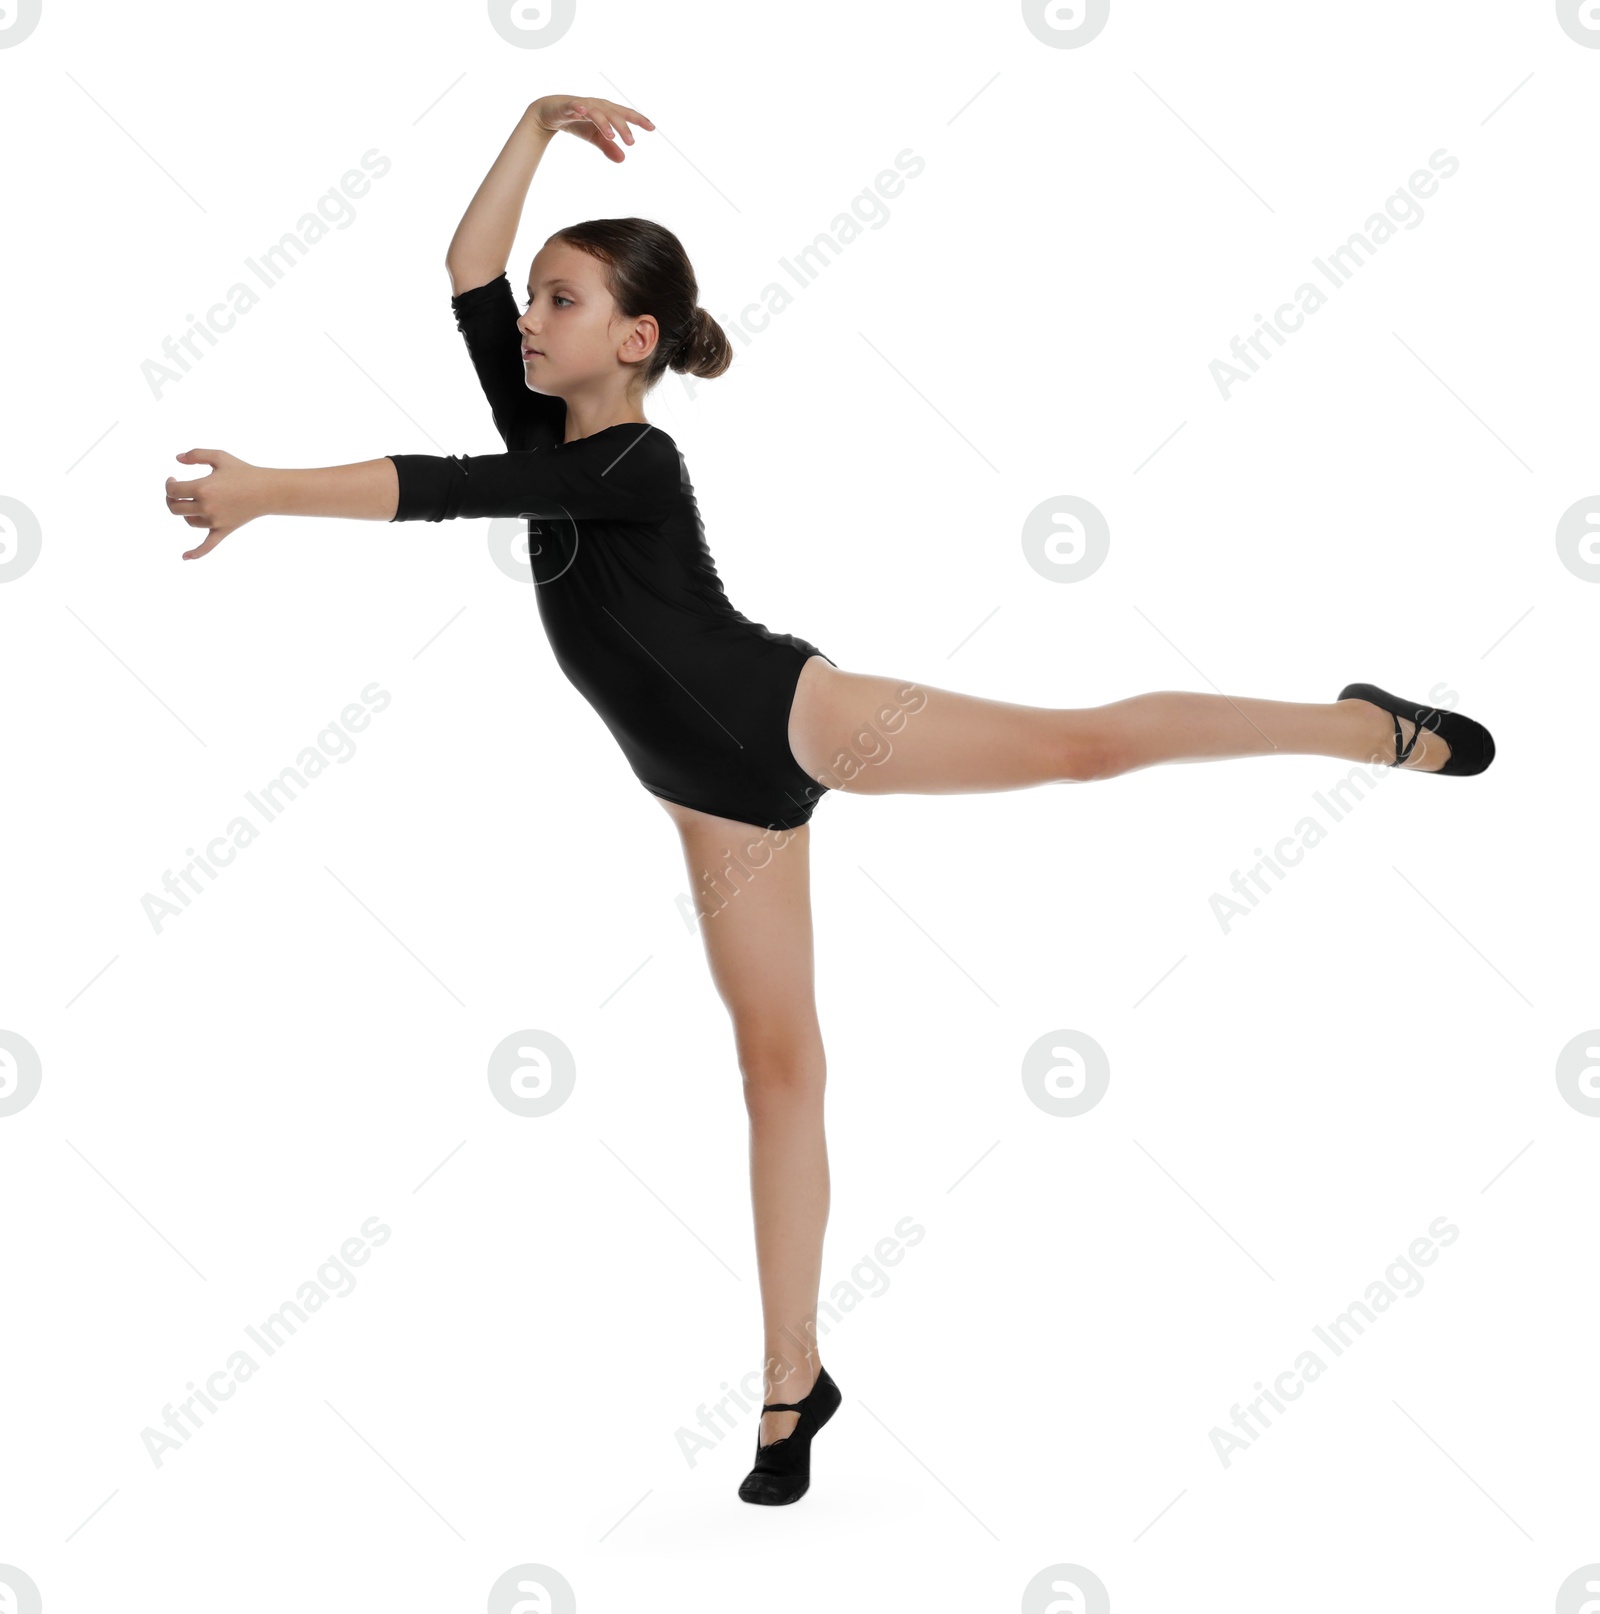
[796, 1385]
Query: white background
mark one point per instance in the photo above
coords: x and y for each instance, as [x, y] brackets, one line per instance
[225, 1101]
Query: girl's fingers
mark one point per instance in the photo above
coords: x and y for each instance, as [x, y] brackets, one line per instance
[213, 538]
[608, 121]
[623, 115]
[591, 132]
[602, 123]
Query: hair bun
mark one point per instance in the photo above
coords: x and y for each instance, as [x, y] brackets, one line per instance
[702, 347]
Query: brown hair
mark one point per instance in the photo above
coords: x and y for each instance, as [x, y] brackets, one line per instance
[648, 272]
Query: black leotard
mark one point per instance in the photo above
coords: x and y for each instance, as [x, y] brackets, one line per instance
[696, 694]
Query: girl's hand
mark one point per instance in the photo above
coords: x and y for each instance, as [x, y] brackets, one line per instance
[598, 122]
[234, 493]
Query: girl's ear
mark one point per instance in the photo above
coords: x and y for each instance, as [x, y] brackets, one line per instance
[644, 335]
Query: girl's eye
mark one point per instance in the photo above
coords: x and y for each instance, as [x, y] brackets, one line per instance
[558, 298]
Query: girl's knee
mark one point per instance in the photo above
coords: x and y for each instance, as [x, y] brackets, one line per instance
[782, 1068]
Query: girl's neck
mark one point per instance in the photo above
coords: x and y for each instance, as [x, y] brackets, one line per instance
[585, 418]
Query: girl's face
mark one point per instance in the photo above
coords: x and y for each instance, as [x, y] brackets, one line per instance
[572, 334]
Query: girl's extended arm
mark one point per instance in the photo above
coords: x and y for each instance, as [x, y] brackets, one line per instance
[629, 476]
[481, 246]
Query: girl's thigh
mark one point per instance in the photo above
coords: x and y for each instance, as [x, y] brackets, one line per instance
[872, 735]
[752, 893]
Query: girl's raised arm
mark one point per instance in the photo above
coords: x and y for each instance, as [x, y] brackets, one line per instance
[481, 247]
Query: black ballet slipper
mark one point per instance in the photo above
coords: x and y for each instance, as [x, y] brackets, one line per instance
[1471, 744]
[782, 1471]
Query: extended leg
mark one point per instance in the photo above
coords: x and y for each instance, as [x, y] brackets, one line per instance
[871, 735]
[753, 893]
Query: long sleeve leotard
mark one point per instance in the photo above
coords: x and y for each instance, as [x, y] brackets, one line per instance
[695, 693]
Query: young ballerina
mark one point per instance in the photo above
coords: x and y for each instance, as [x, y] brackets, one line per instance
[737, 730]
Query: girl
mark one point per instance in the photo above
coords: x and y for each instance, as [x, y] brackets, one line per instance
[737, 730]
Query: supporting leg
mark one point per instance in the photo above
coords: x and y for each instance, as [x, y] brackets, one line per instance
[756, 927]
